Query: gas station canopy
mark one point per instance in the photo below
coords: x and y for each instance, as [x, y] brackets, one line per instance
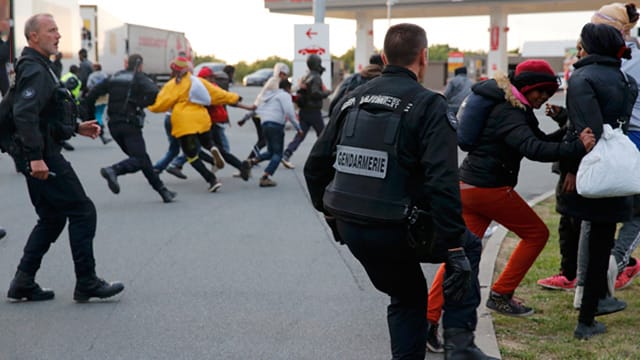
[365, 11]
[348, 9]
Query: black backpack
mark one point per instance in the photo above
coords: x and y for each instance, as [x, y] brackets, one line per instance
[62, 129]
[7, 126]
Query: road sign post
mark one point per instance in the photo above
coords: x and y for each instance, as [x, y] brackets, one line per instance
[311, 39]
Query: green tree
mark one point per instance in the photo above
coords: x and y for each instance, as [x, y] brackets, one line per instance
[347, 59]
[198, 59]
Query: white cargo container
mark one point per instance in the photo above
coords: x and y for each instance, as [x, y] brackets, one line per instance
[66, 14]
[112, 41]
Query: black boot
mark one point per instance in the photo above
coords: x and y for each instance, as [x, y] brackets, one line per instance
[166, 194]
[459, 345]
[94, 287]
[112, 179]
[24, 287]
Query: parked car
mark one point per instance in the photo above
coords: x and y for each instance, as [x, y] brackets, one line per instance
[214, 66]
[258, 77]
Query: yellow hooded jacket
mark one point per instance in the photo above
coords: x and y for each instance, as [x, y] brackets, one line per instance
[186, 117]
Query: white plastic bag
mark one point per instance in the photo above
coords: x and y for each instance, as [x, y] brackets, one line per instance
[611, 169]
[198, 93]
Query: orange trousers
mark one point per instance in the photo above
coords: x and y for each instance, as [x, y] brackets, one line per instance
[504, 205]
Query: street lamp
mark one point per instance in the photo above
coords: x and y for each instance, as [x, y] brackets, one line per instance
[390, 3]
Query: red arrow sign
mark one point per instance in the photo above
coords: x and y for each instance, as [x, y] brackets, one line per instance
[309, 33]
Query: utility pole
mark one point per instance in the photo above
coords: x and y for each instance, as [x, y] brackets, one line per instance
[319, 9]
[390, 3]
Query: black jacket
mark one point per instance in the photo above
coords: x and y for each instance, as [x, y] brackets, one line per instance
[34, 106]
[141, 90]
[511, 133]
[5, 57]
[426, 144]
[370, 71]
[312, 96]
[596, 96]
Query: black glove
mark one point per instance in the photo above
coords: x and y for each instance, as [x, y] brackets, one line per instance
[331, 221]
[457, 275]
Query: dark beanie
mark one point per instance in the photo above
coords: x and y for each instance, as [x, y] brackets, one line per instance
[605, 40]
[535, 74]
[376, 59]
[460, 70]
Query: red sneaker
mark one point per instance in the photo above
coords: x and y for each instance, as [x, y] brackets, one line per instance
[558, 282]
[624, 278]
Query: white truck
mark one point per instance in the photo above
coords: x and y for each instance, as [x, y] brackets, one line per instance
[109, 41]
[66, 14]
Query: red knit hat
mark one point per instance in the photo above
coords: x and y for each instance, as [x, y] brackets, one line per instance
[180, 63]
[535, 74]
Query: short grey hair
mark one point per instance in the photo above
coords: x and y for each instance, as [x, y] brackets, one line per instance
[33, 24]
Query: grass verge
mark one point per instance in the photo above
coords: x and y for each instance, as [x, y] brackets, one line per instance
[548, 334]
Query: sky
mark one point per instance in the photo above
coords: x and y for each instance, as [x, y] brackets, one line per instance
[243, 30]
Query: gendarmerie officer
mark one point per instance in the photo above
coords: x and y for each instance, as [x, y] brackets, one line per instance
[130, 91]
[389, 147]
[44, 116]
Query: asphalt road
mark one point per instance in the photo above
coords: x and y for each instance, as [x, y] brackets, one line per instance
[245, 273]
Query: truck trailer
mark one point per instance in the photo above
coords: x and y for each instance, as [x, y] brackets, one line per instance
[109, 41]
[66, 14]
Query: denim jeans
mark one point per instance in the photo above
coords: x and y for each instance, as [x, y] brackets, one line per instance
[174, 146]
[274, 135]
[220, 137]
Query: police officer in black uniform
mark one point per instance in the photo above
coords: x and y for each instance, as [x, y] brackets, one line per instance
[385, 174]
[130, 91]
[44, 114]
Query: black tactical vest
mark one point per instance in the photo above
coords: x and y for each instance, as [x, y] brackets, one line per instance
[369, 184]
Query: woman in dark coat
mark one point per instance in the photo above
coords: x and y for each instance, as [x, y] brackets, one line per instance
[598, 94]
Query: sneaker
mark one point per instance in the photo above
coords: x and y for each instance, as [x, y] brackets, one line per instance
[585, 332]
[218, 161]
[609, 305]
[214, 186]
[96, 288]
[288, 164]
[507, 305]
[267, 182]
[558, 282]
[624, 278]
[236, 174]
[176, 171]
[434, 342]
[112, 179]
[245, 170]
[167, 195]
